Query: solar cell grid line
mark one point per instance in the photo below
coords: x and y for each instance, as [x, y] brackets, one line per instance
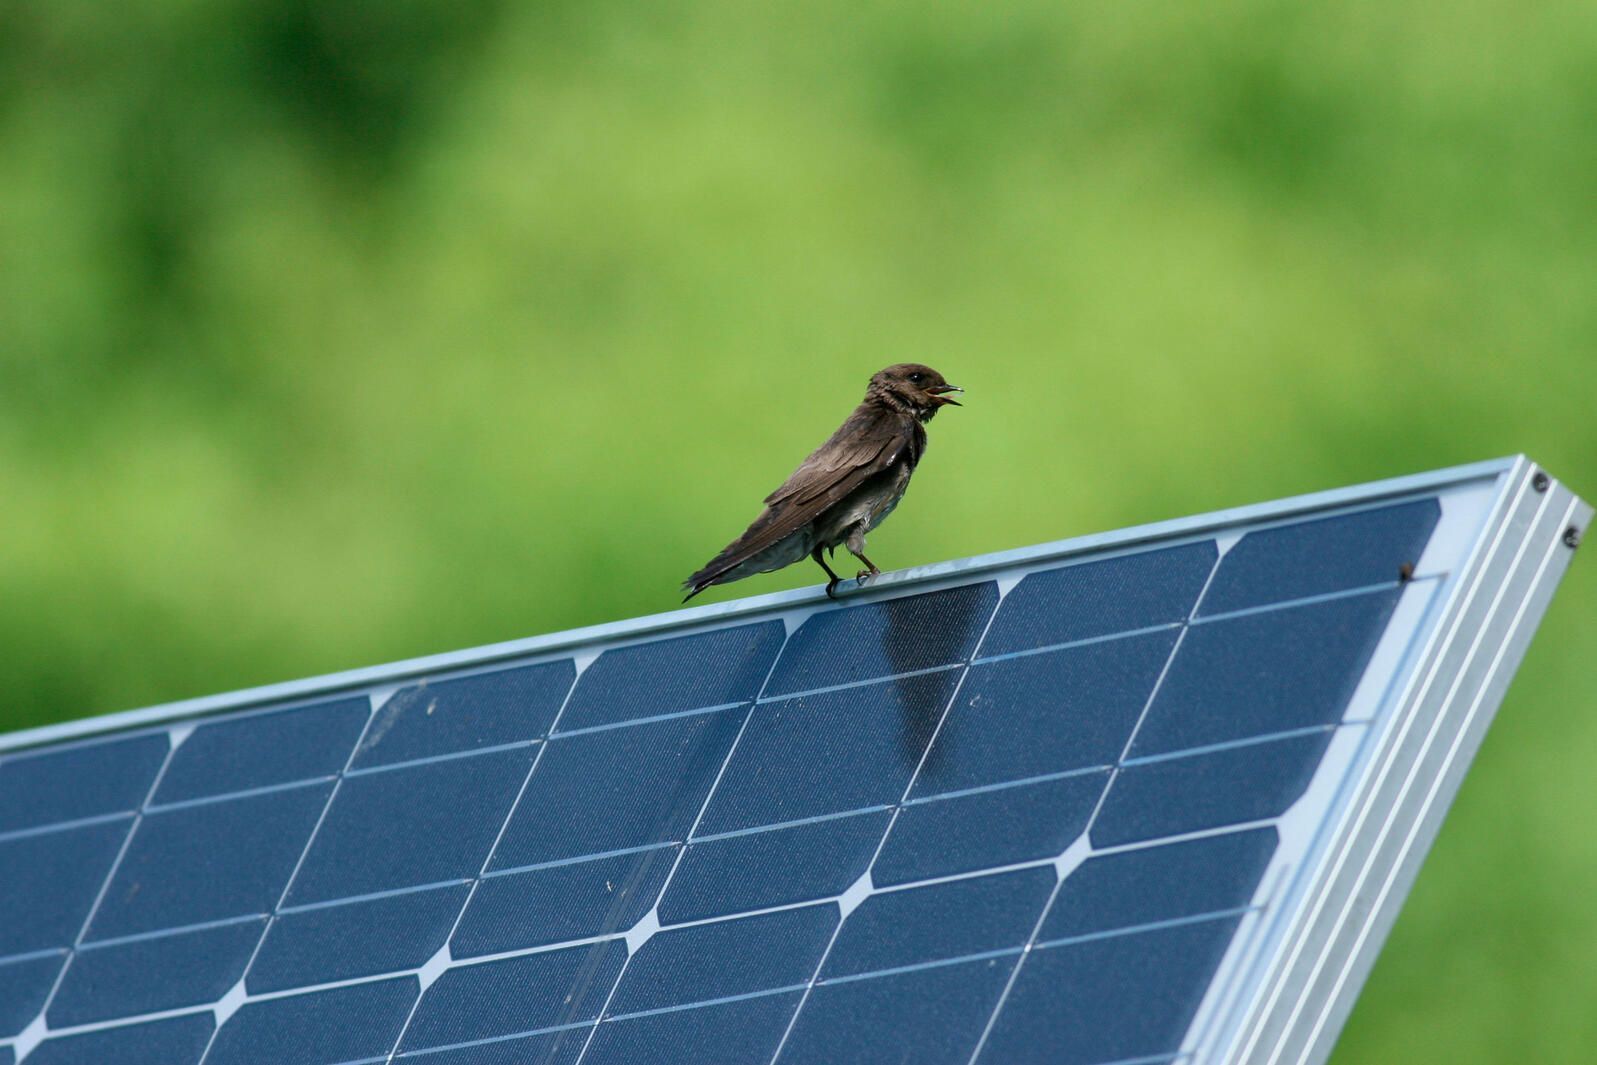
[516, 953]
[1046, 863]
[834, 898]
[237, 1002]
[31, 1036]
[1175, 649]
[795, 830]
[109, 789]
[942, 717]
[179, 735]
[580, 665]
[489, 958]
[677, 862]
[1396, 646]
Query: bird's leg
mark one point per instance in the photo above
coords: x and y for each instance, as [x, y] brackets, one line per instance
[832, 578]
[856, 547]
[866, 574]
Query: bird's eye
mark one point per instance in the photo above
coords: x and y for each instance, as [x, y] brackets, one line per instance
[917, 377]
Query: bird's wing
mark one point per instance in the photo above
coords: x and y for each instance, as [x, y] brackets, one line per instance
[870, 441]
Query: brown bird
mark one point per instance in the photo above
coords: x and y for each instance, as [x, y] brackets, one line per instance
[846, 488]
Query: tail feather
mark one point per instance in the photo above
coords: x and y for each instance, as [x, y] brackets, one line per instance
[730, 557]
[715, 569]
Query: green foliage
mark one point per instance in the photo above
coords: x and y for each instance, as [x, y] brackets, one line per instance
[333, 333]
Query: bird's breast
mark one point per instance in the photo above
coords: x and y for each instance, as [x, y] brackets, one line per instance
[867, 506]
[882, 503]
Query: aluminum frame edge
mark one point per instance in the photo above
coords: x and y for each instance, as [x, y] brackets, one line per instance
[1436, 726]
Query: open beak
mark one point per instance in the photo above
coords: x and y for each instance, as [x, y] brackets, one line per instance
[941, 392]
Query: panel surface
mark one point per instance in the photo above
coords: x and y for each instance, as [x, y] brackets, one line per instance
[1057, 807]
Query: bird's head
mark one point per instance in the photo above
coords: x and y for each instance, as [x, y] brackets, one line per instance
[910, 386]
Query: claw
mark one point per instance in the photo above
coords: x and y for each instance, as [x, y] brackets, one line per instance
[865, 575]
[831, 587]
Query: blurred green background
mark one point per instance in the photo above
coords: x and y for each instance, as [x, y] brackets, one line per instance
[335, 332]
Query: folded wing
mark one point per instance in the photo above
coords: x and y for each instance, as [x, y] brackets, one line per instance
[870, 441]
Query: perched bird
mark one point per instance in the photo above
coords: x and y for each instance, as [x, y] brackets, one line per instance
[845, 488]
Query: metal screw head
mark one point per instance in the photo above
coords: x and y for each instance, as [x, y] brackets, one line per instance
[1540, 481]
[1572, 537]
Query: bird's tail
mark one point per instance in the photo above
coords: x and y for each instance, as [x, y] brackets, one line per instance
[724, 566]
[712, 573]
[719, 569]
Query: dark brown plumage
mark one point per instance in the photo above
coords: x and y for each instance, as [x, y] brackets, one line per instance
[845, 488]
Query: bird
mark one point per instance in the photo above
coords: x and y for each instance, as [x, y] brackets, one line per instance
[846, 487]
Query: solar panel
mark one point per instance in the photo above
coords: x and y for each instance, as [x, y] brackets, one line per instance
[1148, 797]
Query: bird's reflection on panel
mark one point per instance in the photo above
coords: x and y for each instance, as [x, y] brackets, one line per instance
[904, 636]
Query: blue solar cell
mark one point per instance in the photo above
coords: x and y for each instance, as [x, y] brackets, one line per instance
[1323, 555]
[930, 1016]
[669, 676]
[756, 870]
[343, 1024]
[50, 882]
[1169, 882]
[618, 788]
[151, 975]
[517, 995]
[466, 713]
[559, 903]
[1045, 713]
[209, 862]
[176, 1041]
[701, 962]
[1092, 599]
[1105, 1000]
[550, 1048]
[847, 644]
[1227, 787]
[421, 824]
[986, 829]
[1258, 674]
[52, 786]
[941, 921]
[24, 985]
[349, 940]
[6, 1057]
[239, 753]
[728, 1033]
[827, 753]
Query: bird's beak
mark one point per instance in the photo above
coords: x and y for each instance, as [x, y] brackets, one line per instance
[941, 392]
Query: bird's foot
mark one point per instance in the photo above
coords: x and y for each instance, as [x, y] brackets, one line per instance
[831, 587]
[866, 574]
